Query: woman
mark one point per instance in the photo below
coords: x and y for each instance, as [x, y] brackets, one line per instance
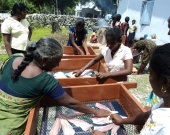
[16, 30]
[112, 25]
[22, 90]
[132, 31]
[155, 121]
[118, 57]
[118, 23]
[78, 37]
[124, 28]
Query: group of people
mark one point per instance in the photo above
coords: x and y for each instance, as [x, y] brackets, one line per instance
[24, 78]
[124, 28]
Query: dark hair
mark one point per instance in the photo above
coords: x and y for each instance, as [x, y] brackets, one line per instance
[115, 33]
[45, 48]
[18, 8]
[134, 21]
[160, 61]
[127, 18]
[169, 19]
[118, 17]
[80, 22]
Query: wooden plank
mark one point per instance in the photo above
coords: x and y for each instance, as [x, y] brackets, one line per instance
[77, 56]
[91, 51]
[131, 105]
[102, 68]
[95, 47]
[31, 126]
[93, 80]
[73, 64]
[87, 93]
[69, 50]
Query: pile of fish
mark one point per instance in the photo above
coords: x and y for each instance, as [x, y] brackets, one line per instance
[62, 121]
[69, 74]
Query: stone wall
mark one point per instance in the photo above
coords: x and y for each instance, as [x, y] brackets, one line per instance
[63, 20]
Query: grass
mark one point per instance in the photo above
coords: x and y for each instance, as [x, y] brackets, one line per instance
[37, 33]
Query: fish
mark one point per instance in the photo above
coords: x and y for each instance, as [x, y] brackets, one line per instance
[104, 128]
[66, 127]
[56, 127]
[79, 123]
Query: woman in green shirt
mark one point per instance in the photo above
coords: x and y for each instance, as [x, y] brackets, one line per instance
[24, 81]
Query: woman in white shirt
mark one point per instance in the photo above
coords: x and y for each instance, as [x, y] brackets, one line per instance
[16, 30]
[118, 57]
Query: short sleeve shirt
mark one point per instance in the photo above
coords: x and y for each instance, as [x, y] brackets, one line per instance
[148, 47]
[117, 62]
[19, 32]
[158, 121]
[32, 87]
[132, 28]
[77, 38]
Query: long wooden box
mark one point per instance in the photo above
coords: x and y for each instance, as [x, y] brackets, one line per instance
[69, 53]
[91, 93]
[74, 64]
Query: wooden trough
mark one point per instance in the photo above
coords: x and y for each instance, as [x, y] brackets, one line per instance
[69, 53]
[74, 64]
[117, 93]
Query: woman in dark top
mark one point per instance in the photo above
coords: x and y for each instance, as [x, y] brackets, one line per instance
[78, 37]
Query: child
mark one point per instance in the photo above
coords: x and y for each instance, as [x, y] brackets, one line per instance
[118, 57]
[78, 37]
[93, 38]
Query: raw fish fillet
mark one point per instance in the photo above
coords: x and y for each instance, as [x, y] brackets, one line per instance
[56, 127]
[104, 128]
[114, 130]
[74, 114]
[103, 120]
[79, 123]
[66, 127]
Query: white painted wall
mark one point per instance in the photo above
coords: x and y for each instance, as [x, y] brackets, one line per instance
[158, 25]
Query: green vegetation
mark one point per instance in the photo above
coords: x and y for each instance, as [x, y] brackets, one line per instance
[3, 57]
[37, 33]
[58, 6]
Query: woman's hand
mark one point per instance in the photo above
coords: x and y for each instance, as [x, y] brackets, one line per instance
[87, 53]
[102, 113]
[81, 52]
[77, 72]
[102, 75]
[96, 132]
[117, 119]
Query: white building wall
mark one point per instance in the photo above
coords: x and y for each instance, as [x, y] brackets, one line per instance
[158, 25]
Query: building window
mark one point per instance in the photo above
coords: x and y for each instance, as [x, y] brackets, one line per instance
[146, 12]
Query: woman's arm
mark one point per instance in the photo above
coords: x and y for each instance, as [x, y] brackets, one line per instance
[91, 63]
[72, 103]
[126, 71]
[85, 45]
[30, 33]
[7, 39]
[139, 119]
[71, 36]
